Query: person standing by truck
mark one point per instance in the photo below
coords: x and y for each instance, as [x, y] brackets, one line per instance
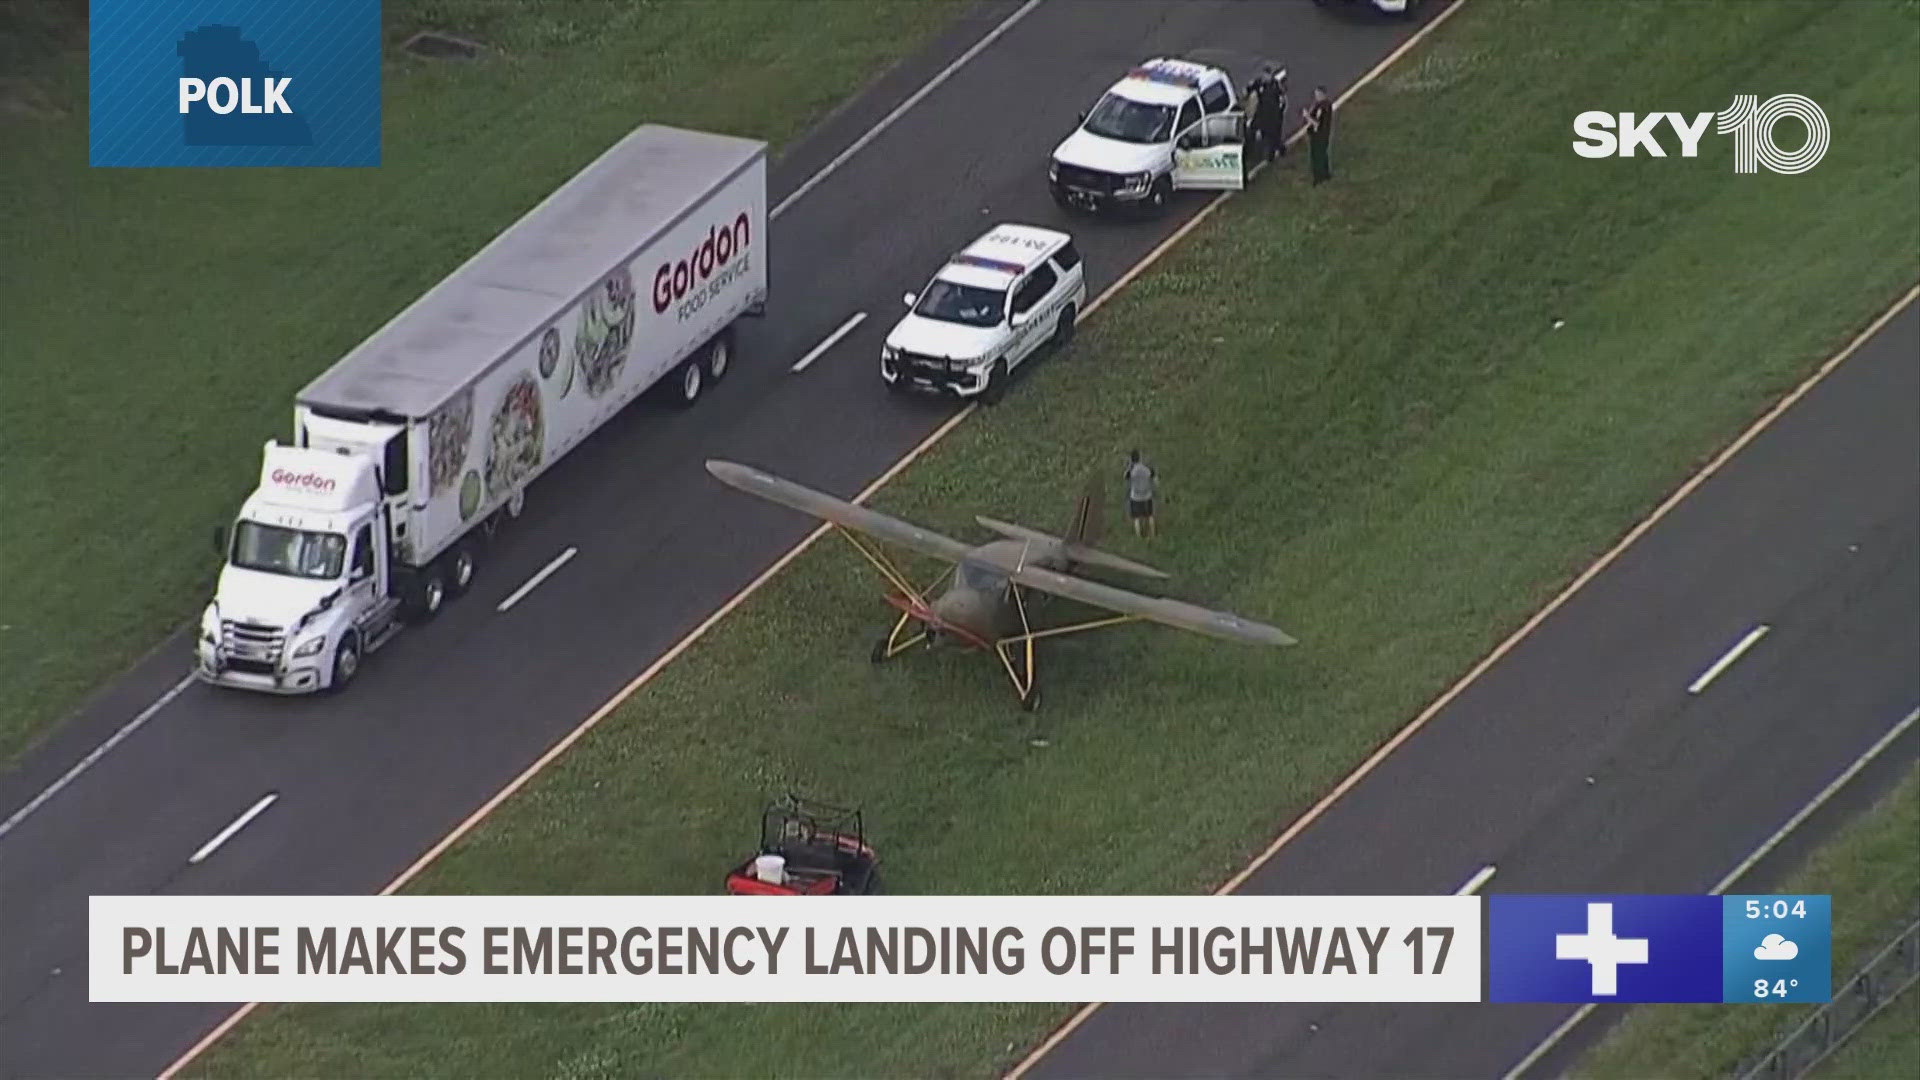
[1319, 116]
[1140, 495]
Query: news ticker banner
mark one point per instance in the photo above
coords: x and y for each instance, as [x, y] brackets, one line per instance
[1389, 949]
[751, 948]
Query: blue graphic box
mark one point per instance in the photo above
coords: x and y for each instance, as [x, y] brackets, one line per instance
[1639, 948]
[223, 83]
[1778, 948]
[1603, 948]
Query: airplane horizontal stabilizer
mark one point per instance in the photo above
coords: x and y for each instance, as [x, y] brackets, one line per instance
[1079, 553]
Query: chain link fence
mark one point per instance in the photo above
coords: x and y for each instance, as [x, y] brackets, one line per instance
[1893, 969]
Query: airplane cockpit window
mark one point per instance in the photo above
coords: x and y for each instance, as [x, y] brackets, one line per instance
[982, 578]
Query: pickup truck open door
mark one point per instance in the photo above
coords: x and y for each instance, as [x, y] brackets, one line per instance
[1212, 157]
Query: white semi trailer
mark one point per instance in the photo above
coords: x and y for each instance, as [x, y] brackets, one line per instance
[422, 441]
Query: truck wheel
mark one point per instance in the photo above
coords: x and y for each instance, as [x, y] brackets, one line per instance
[1063, 330]
[427, 594]
[719, 358]
[688, 382]
[1159, 196]
[996, 383]
[346, 661]
[460, 567]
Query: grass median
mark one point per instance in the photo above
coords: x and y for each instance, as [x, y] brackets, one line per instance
[1872, 870]
[1368, 430]
[155, 324]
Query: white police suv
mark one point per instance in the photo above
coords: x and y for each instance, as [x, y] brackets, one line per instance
[994, 305]
[1170, 125]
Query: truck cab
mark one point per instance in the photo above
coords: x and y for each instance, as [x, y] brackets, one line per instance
[1169, 125]
[308, 587]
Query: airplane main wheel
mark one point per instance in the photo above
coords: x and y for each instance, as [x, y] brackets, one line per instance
[1031, 702]
[880, 649]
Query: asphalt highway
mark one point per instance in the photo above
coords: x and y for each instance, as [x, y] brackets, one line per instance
[1580, 762]
[446, 715]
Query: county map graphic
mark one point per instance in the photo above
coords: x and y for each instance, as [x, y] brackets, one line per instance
[213, 52]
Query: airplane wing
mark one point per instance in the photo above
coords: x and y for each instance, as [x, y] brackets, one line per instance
[818, 504]
[1174, 613]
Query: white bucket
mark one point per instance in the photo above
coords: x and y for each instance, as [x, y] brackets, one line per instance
[771, 869]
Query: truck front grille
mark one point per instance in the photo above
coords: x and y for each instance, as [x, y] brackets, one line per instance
[251, 646]
[924, 365]
[1088, 179]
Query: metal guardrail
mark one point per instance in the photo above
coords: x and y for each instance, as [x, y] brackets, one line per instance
[1895, 968]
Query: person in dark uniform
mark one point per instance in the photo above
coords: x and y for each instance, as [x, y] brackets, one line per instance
[1267, 101]
[1319, 116]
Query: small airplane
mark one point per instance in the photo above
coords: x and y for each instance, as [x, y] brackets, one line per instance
[986, 606]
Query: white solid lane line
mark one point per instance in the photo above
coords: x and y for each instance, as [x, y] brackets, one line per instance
[900, 110]
[239, 823]
[1726, 661]
[97, 753]
[1473, 883]
[1766, 847]
[832, 339]
[533, 582]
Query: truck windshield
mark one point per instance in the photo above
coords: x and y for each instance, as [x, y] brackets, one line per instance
[969, 305]
[296, 553]
[1126, 120]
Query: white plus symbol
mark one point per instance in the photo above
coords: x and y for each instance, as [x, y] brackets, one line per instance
[1600, 949]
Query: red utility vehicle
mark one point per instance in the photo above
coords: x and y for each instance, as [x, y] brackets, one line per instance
[807, 849]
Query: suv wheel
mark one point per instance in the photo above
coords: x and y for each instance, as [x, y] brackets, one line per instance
[996, 387]
[1063, 329]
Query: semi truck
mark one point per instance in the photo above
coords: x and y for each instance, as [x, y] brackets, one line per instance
[414, 448]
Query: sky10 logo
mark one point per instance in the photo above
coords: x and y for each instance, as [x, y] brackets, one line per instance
[1750, 121]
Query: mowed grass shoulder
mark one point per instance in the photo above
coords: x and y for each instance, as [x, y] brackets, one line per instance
[155, 324]
[1367, 431]
[1872, 870]
[1889, 1045]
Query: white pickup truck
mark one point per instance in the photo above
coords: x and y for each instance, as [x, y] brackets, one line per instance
[423, 439]
[1169, 125]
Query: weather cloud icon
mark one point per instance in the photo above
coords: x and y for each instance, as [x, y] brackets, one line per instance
[1775, 947]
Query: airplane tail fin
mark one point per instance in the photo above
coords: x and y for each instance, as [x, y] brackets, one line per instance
[1084, 530]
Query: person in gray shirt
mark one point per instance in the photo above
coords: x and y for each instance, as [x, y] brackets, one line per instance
[1140, 495]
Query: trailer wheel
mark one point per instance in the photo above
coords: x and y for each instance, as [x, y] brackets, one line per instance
[688, 382]
[460, 567]
[719, 357]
